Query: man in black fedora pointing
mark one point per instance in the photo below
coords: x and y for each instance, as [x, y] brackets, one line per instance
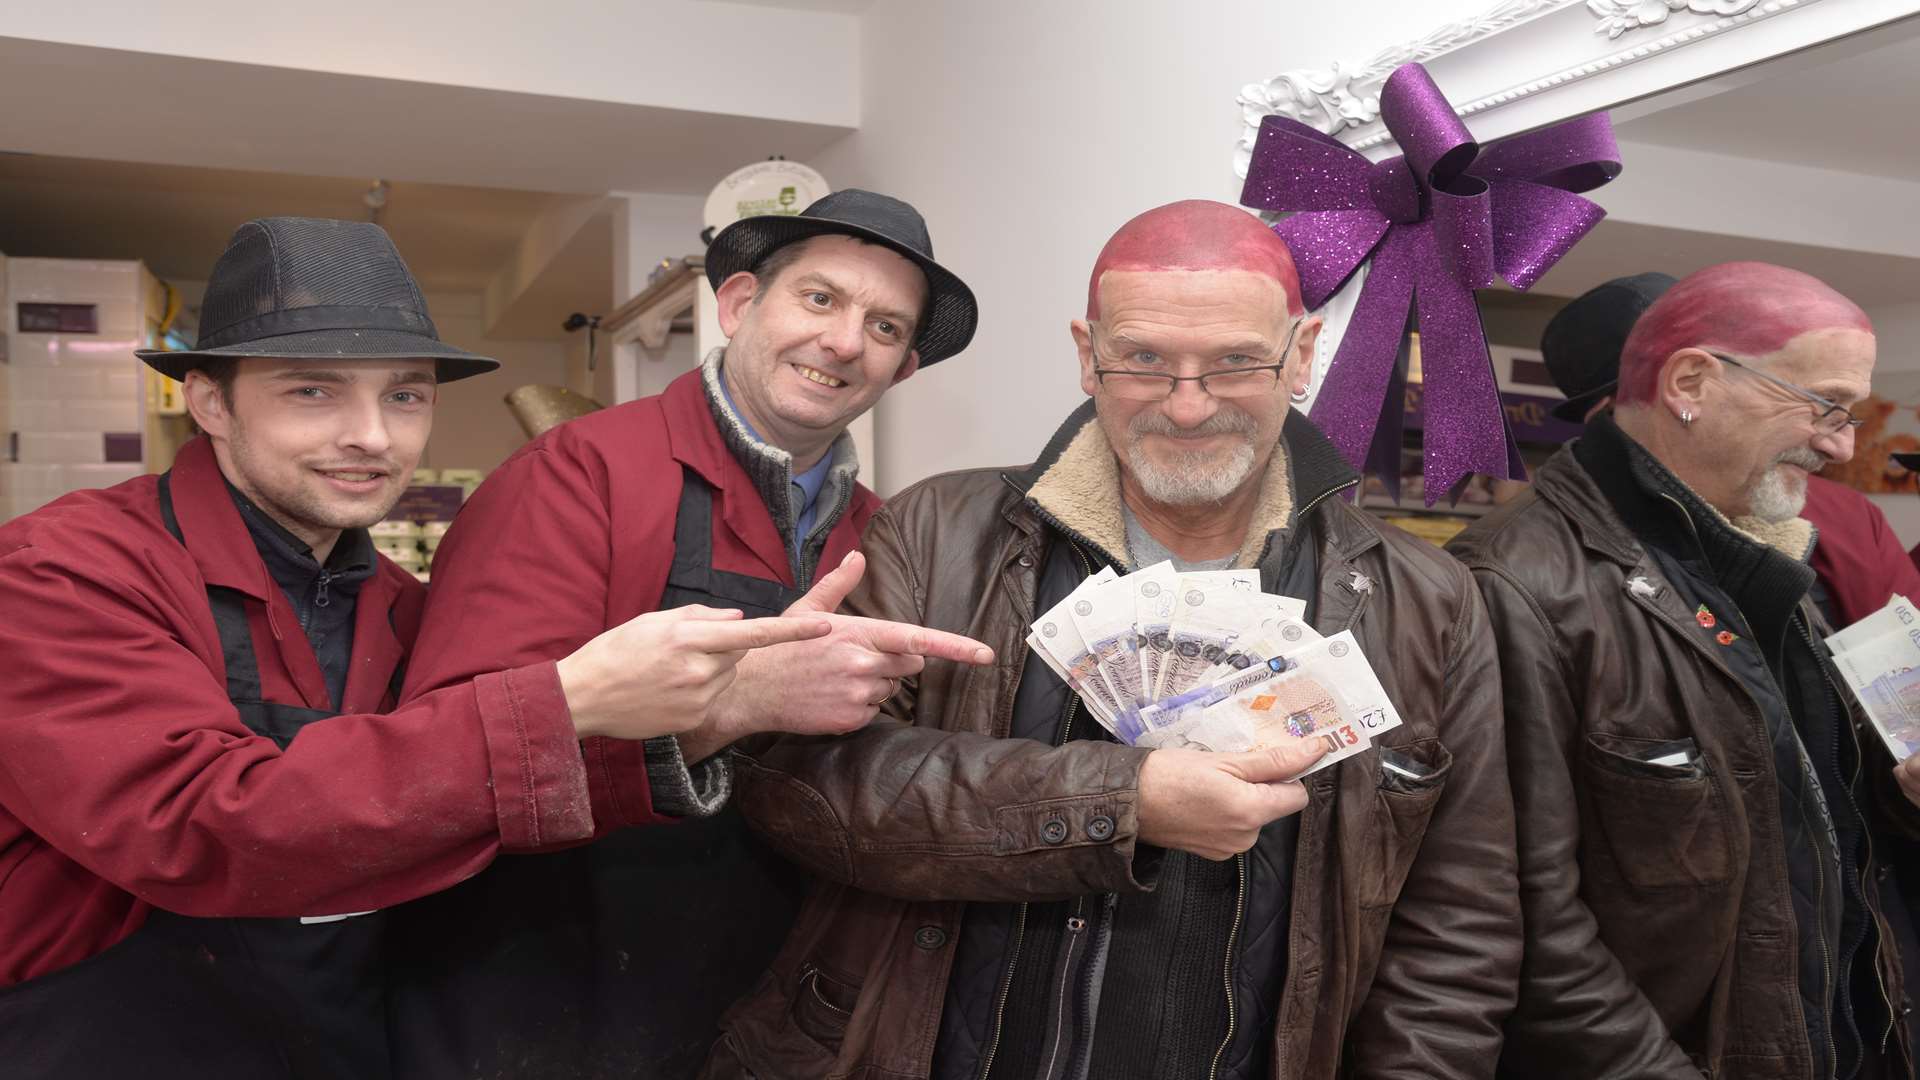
[735, 488]
[206, 793]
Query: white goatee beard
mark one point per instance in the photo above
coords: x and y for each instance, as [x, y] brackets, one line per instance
[1773, 499]
[1191, 478]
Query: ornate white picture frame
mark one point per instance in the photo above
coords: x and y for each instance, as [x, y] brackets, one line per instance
[1524, 64]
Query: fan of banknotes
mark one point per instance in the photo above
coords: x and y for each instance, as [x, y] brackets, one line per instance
[1880, 658]
[1206, 660]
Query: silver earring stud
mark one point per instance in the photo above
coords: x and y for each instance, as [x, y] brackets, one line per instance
[1297, 399]
[1686, 418]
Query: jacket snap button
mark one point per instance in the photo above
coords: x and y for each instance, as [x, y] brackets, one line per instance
[1100, 828]
[1054, 831]
[929, 937]
[1026, 560]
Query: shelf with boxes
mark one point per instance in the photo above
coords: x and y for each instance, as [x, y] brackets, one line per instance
[411, 533]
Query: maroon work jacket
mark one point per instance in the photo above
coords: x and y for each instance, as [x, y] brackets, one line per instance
[1858, 558]
[573, 535]
[128, 782]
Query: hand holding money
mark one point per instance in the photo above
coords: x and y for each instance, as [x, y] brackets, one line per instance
[831, 684]
[1207, 661]
[660, 673]
[1214, 805]
[1879, 657]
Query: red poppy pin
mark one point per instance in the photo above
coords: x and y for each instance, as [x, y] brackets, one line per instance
[1705, 618]
[1726, 637]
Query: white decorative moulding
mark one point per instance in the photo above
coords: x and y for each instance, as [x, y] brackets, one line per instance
[1526, 63]
[1619, 16]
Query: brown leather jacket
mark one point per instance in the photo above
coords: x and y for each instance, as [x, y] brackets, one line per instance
[1660, 937]
[1404, 939]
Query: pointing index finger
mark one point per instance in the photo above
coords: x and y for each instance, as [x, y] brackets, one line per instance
[720, 637]
[895, 637]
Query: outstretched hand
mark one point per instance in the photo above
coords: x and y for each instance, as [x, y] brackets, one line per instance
[659, 673]
[832, 684]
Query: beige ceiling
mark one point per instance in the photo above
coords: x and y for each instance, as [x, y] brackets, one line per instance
[1846, 109]
[177, 218]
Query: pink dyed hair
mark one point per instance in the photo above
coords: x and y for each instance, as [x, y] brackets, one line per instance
[1196, 234]
[1750, 309]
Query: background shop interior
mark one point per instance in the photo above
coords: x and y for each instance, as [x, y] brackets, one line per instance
[552, 207]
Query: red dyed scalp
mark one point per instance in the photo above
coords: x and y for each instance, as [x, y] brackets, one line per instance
[1750, 309]
[1196, 235]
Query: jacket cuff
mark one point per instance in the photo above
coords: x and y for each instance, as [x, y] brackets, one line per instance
[680, 791]
[619, 784]
[540, 787]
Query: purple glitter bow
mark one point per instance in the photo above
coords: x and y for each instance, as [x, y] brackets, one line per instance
[1438, 222]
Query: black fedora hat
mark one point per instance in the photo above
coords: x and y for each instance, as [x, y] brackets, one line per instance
[299, 288]
[1582, 343]
[951, 313]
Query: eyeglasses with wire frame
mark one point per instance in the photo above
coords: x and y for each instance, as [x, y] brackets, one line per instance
[1831, 417]
[1253, 380]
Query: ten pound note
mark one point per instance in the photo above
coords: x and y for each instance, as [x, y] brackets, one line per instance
[1879, 656]
[1208, 661]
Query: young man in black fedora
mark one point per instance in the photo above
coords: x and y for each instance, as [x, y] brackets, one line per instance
[736, 487]
[206, 792]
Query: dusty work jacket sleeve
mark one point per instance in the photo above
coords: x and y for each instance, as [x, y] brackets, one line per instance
[910, 810]
[118, 746]
[1451, 958]
[523, 578]
[1573, 990]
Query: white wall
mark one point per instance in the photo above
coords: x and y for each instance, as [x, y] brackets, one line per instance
[779, 63]
[472, 427]
[1898, 332]
[1053, 123]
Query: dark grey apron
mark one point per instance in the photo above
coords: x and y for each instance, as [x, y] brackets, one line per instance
[611, 959]
[195, 998]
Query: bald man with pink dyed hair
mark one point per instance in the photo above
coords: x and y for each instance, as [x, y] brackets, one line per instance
[1006, 891]
[1711, 836]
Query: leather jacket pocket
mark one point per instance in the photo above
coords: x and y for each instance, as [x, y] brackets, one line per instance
[1412, 778]
[822, 1005]
[1665, 826]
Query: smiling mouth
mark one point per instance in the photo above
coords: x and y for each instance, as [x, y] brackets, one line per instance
[816, 376]
[351, 476]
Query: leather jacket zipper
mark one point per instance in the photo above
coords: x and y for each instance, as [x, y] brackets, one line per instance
[1064, 733]
[1838, 704]
[1076, 928]
[810, 978]
[1819, 880]
[1233, 936]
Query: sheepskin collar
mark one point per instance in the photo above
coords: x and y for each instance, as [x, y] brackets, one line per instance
[1075, 484]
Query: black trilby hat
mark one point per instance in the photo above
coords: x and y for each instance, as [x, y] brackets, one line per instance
[951, 313]
[300, 288]
[1582, 343]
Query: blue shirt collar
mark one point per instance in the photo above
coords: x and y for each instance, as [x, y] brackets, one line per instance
[812, 480]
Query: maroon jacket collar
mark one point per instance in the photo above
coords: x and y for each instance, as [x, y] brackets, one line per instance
[215, 536]
[696, 443]
[224, 552]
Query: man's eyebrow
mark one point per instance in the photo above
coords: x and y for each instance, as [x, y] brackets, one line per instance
[815, 277]
[323, 375]
[1255, 346]
[398, 377]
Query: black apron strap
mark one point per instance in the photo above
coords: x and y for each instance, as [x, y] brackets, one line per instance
[186, 998]
[692, 578]
[614, 958]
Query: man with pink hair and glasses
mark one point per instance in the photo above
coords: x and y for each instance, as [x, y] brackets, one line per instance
[1704, 816]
